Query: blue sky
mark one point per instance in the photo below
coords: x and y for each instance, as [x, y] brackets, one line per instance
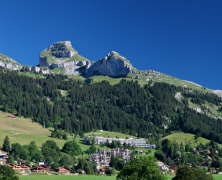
[178, 38]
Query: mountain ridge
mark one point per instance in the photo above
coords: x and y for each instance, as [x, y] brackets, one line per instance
[62, 58]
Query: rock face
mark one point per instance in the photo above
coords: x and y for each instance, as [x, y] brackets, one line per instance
[7, 62]
[218, 92]
[42, 70]
[62, 55]
[112, 65]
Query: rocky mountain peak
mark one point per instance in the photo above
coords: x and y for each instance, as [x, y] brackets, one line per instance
[62, 55]
[113, 65]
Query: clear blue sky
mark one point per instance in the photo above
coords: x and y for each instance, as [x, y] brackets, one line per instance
[182, 38]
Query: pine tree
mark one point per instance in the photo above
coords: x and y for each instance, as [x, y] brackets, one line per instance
[6, 144]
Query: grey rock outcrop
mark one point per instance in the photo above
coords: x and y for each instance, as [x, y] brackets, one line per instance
[112, 65]
[38, 69]
[7, 62]
[218, 92]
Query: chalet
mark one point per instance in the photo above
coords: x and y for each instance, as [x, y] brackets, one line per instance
[140, 152]
[207, 150]
[208, 157]
[12, 117]
[2, 161]
[213, 170]
[174, 166]
[194, 149]
[159, 163]
[40, 168]
[63, 170]
[205, 164]
[189, 164]
[164, 168]
[21, 168]
[4, 156]
[102, 171]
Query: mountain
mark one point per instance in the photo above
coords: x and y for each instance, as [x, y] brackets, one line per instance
[62, 58]
[62, 55]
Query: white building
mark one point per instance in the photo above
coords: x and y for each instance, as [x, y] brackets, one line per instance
[139, 143]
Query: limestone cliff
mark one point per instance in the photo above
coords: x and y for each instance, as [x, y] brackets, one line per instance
[113, 65]
[7, 62]
[42, 70]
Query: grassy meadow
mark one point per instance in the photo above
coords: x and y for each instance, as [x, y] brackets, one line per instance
[84, 177]
[109, 134]
[185, 138]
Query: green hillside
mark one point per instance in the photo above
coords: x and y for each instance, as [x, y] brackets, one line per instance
[184, 138]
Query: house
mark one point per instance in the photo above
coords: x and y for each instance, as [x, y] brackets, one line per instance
[205, 164]
[174, 166]
[41, 163]
[63, 170]
[0, 150]
[189, 164]
[21, 168]
[102, 171]
[208, 157]
[2, 161]
[4, 156]
[160, 163]
[140, 152]
[194, 149]
[12, 117]
[83, 172]
[216, 151]
[9, 165]
[213, 170]
[207, 150]
[164, 168]
[40, 168]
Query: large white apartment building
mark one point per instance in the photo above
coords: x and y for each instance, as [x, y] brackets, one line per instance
[140, 143]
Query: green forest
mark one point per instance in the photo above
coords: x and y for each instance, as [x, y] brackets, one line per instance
[150, 112]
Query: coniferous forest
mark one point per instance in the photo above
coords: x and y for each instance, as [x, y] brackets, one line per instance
[124, 107]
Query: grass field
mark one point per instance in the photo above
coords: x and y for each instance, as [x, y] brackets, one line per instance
[185, 138]
[67, 177]
[109, 134]
[84, 177]
[31, 74]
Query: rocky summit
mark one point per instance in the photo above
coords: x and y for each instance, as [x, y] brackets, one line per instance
[112, 65]
[62, 55]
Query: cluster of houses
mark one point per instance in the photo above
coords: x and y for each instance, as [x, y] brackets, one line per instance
[25, 168]
[103, 157]
[139, 143]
